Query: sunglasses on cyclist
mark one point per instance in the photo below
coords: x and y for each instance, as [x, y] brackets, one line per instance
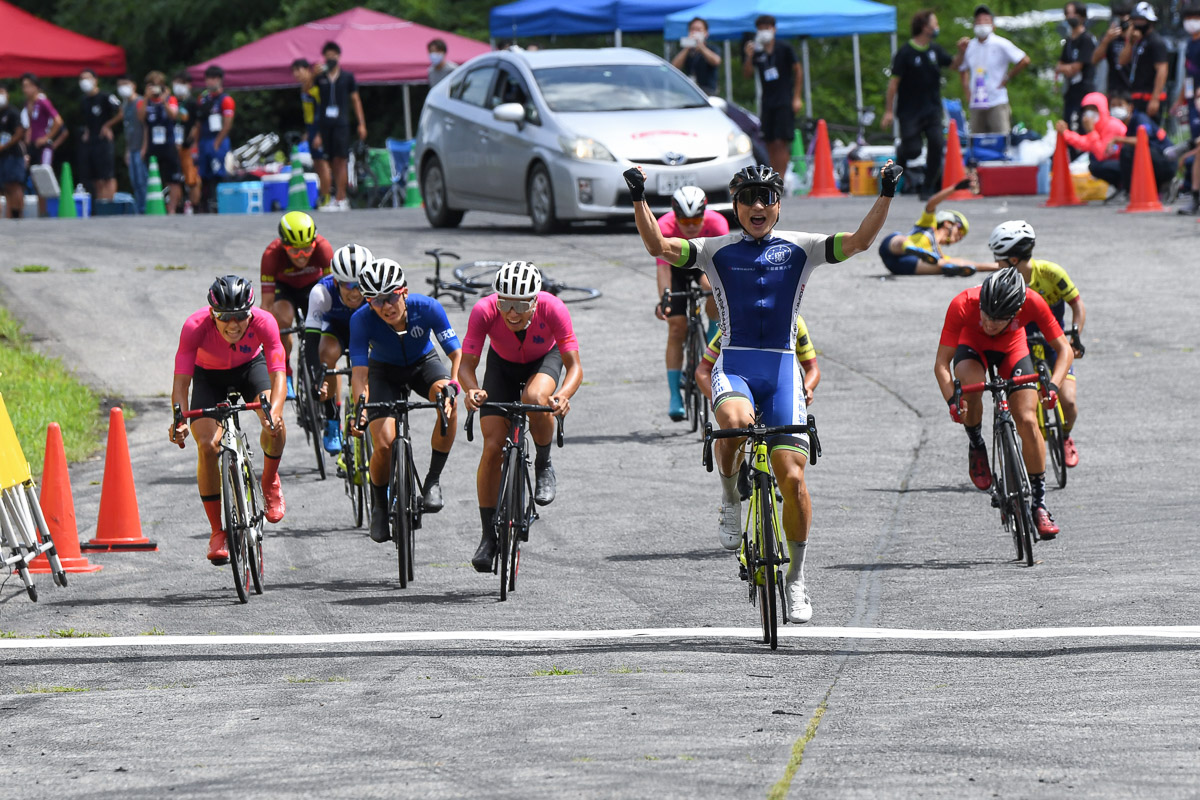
[349, 287]
[757, 194]
[519, 306]
[386, 299]
[231, 316]
[307, 250]
[690, 220]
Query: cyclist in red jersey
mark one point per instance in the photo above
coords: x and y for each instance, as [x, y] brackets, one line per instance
[291, 266]
[230, 344]
[689, 218]
[986, 325]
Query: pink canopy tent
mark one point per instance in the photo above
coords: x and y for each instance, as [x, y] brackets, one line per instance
[30, 44]
[376, 47]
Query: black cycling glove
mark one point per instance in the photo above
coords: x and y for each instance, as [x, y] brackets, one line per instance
[889, 176]
[637, 184]
[965, 183]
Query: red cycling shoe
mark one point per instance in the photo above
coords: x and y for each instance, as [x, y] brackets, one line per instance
[1070, 453]
[218, 551]
[273, 497]
[981, 473]
[1045, 524]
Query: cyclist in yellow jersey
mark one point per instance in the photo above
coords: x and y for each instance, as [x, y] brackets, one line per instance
[1012, 243]
[920, 252]
[310, 98]
[806, 354]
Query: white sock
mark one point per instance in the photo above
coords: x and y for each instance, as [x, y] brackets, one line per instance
[796, 552]
[729, 488]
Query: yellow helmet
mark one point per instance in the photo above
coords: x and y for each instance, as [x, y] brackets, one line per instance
[953, 216]
[297, 229]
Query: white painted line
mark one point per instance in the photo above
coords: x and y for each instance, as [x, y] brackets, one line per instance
[787, 631]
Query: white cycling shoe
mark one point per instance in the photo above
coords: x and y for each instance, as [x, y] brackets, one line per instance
[729, 527]
[799, 609]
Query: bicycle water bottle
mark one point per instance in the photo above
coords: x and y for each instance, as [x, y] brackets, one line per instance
[979, 95]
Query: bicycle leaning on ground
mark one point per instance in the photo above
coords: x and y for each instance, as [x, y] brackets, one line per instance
[763, 555]
[515, 509]
[1052, 422]
[310, 411]
[457, 290]
[695, 404]
[241, 495]
[1011, 491]
[478, 275]
[405, 491]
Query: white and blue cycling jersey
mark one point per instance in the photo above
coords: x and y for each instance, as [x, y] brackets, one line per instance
[372, 338]
[758, 286]
[325, 306]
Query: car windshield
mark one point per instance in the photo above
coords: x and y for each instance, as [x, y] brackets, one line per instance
[616, 87]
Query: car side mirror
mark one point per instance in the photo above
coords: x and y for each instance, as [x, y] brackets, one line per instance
[717, 102]
[510, 112]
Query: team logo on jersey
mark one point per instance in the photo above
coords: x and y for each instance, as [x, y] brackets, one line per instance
[539, 339]
[446, 335]
[244, 348]
[416, 332]
[778, 254]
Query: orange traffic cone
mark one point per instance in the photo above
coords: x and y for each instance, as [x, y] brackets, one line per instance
[1062, 186]
[120, 524]
[1143, 190]
[59, 510]
[824, 184]
[953, 170]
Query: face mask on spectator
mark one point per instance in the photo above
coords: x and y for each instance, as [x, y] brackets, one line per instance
[435, 58]
[1093, 116]
[1119, 112]
[765, 36]
[331, 64]
[180, 89]
[983, 31]
[3, 99]
[125, 90]
[933, 34]
[1191, 25]
[86, 85]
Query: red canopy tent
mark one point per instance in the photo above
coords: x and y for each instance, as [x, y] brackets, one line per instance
[31, 44]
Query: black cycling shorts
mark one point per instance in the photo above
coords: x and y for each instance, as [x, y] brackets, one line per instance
[211, 386]
[170, 170]
[94, 160]
[503, 379]
[297, 297]
[681, 280]
[388, 383]
[340, 331]
[1004, 363]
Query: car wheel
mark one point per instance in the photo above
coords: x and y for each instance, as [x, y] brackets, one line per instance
[433, 192]
[540, 192]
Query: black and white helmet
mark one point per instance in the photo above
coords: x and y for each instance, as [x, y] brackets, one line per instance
[1002, 294]
[382, 276]
[349, 262]
[518, 279]
[1014, 238]
[689, 202]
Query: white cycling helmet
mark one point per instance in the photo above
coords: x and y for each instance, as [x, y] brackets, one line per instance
[1013, 238]
[382, 276]
[689, 202]
[349, 261]
[518, 279]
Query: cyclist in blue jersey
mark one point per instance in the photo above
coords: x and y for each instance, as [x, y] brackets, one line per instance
[331, 303]
[758, 278]
[391, 353]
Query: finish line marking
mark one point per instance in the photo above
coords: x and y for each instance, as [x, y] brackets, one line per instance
[1186, 632]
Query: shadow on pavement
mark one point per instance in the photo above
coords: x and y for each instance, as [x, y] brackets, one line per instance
[690, 555]
[961, 488]
[930, 564]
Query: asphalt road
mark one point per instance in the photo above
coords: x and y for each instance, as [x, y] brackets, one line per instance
[900, 541]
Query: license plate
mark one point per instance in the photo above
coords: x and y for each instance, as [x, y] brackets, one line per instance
[671, 182]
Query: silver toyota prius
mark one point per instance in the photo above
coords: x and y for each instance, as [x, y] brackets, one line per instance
[548, 133]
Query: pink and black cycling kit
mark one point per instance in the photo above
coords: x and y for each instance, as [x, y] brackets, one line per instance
[551, 325]
[202, 345]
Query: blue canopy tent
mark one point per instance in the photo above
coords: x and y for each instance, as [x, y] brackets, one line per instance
[731, 19]
[575, 17]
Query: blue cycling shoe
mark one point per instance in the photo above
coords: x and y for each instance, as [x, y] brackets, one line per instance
[333, 437]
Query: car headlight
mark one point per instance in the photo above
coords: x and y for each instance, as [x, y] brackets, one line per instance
[739, 144]
[585, 149]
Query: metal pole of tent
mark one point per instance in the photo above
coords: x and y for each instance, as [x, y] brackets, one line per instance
[728, 71]
[617, 37]
[895, 122]
[408, 134]
[858, 98]
[808, 105]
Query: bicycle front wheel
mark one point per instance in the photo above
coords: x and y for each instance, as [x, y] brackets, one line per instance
[1019, 496]
[232, 494]
[768, 546]
[1056, 443]
[517, 502]
[316, 418]
[506, 518]
[1001, 484]
[401, 499]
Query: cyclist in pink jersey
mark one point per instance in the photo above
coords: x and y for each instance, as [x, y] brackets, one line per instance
[689, 218]
[531, 341]
[230, 345]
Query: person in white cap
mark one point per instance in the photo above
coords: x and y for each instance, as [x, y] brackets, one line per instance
[986, 63]
[1145, 56]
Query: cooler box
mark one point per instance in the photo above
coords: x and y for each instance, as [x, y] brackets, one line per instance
[987, 147]
[240, 198]
[275, 190]
[1001, 177]
[120, 205]
[864, 179]
[83, 205]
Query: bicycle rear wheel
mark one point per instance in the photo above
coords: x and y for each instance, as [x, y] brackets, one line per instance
[768, 588]
[1056, 443]
[235, 537]
[401, 521]
[316, 418]
[352, 457]
[478, 274]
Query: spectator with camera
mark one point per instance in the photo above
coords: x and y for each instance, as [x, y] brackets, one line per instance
[1110, 46]
[1075, 65]
[1145, 56]
[696, 59]
[781, 78]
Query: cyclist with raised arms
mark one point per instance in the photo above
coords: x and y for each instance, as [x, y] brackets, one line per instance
[291, 266]
[331, 303]
[689, 218]
[986, 325]
[531, 341]
[758, 278]
[1012, 244]
[920, 251]
[391, 354]
[230, 344]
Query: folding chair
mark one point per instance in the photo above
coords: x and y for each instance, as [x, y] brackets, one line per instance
[401, 152]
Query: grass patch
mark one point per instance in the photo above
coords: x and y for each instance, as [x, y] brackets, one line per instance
[9, 635]
[32, 268]
[39, 689]
[583, 759]
[71, 633]
[624, 670]
[155, 631]
[780, 790]
[555, 671]
[170, 267]
[39, 390]
[82, 269]
[330, 679]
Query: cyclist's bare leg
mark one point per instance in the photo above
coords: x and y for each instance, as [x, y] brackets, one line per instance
[383, 436]
[538, 391]
[1024, 406]
[1066, 394]
[487, 478]
[285, 315]
[207, 434]
[329, 353]
[272, 441]
[443, 442]
[969, 371]
[788, 466]
[735, 412]
[676, 333]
